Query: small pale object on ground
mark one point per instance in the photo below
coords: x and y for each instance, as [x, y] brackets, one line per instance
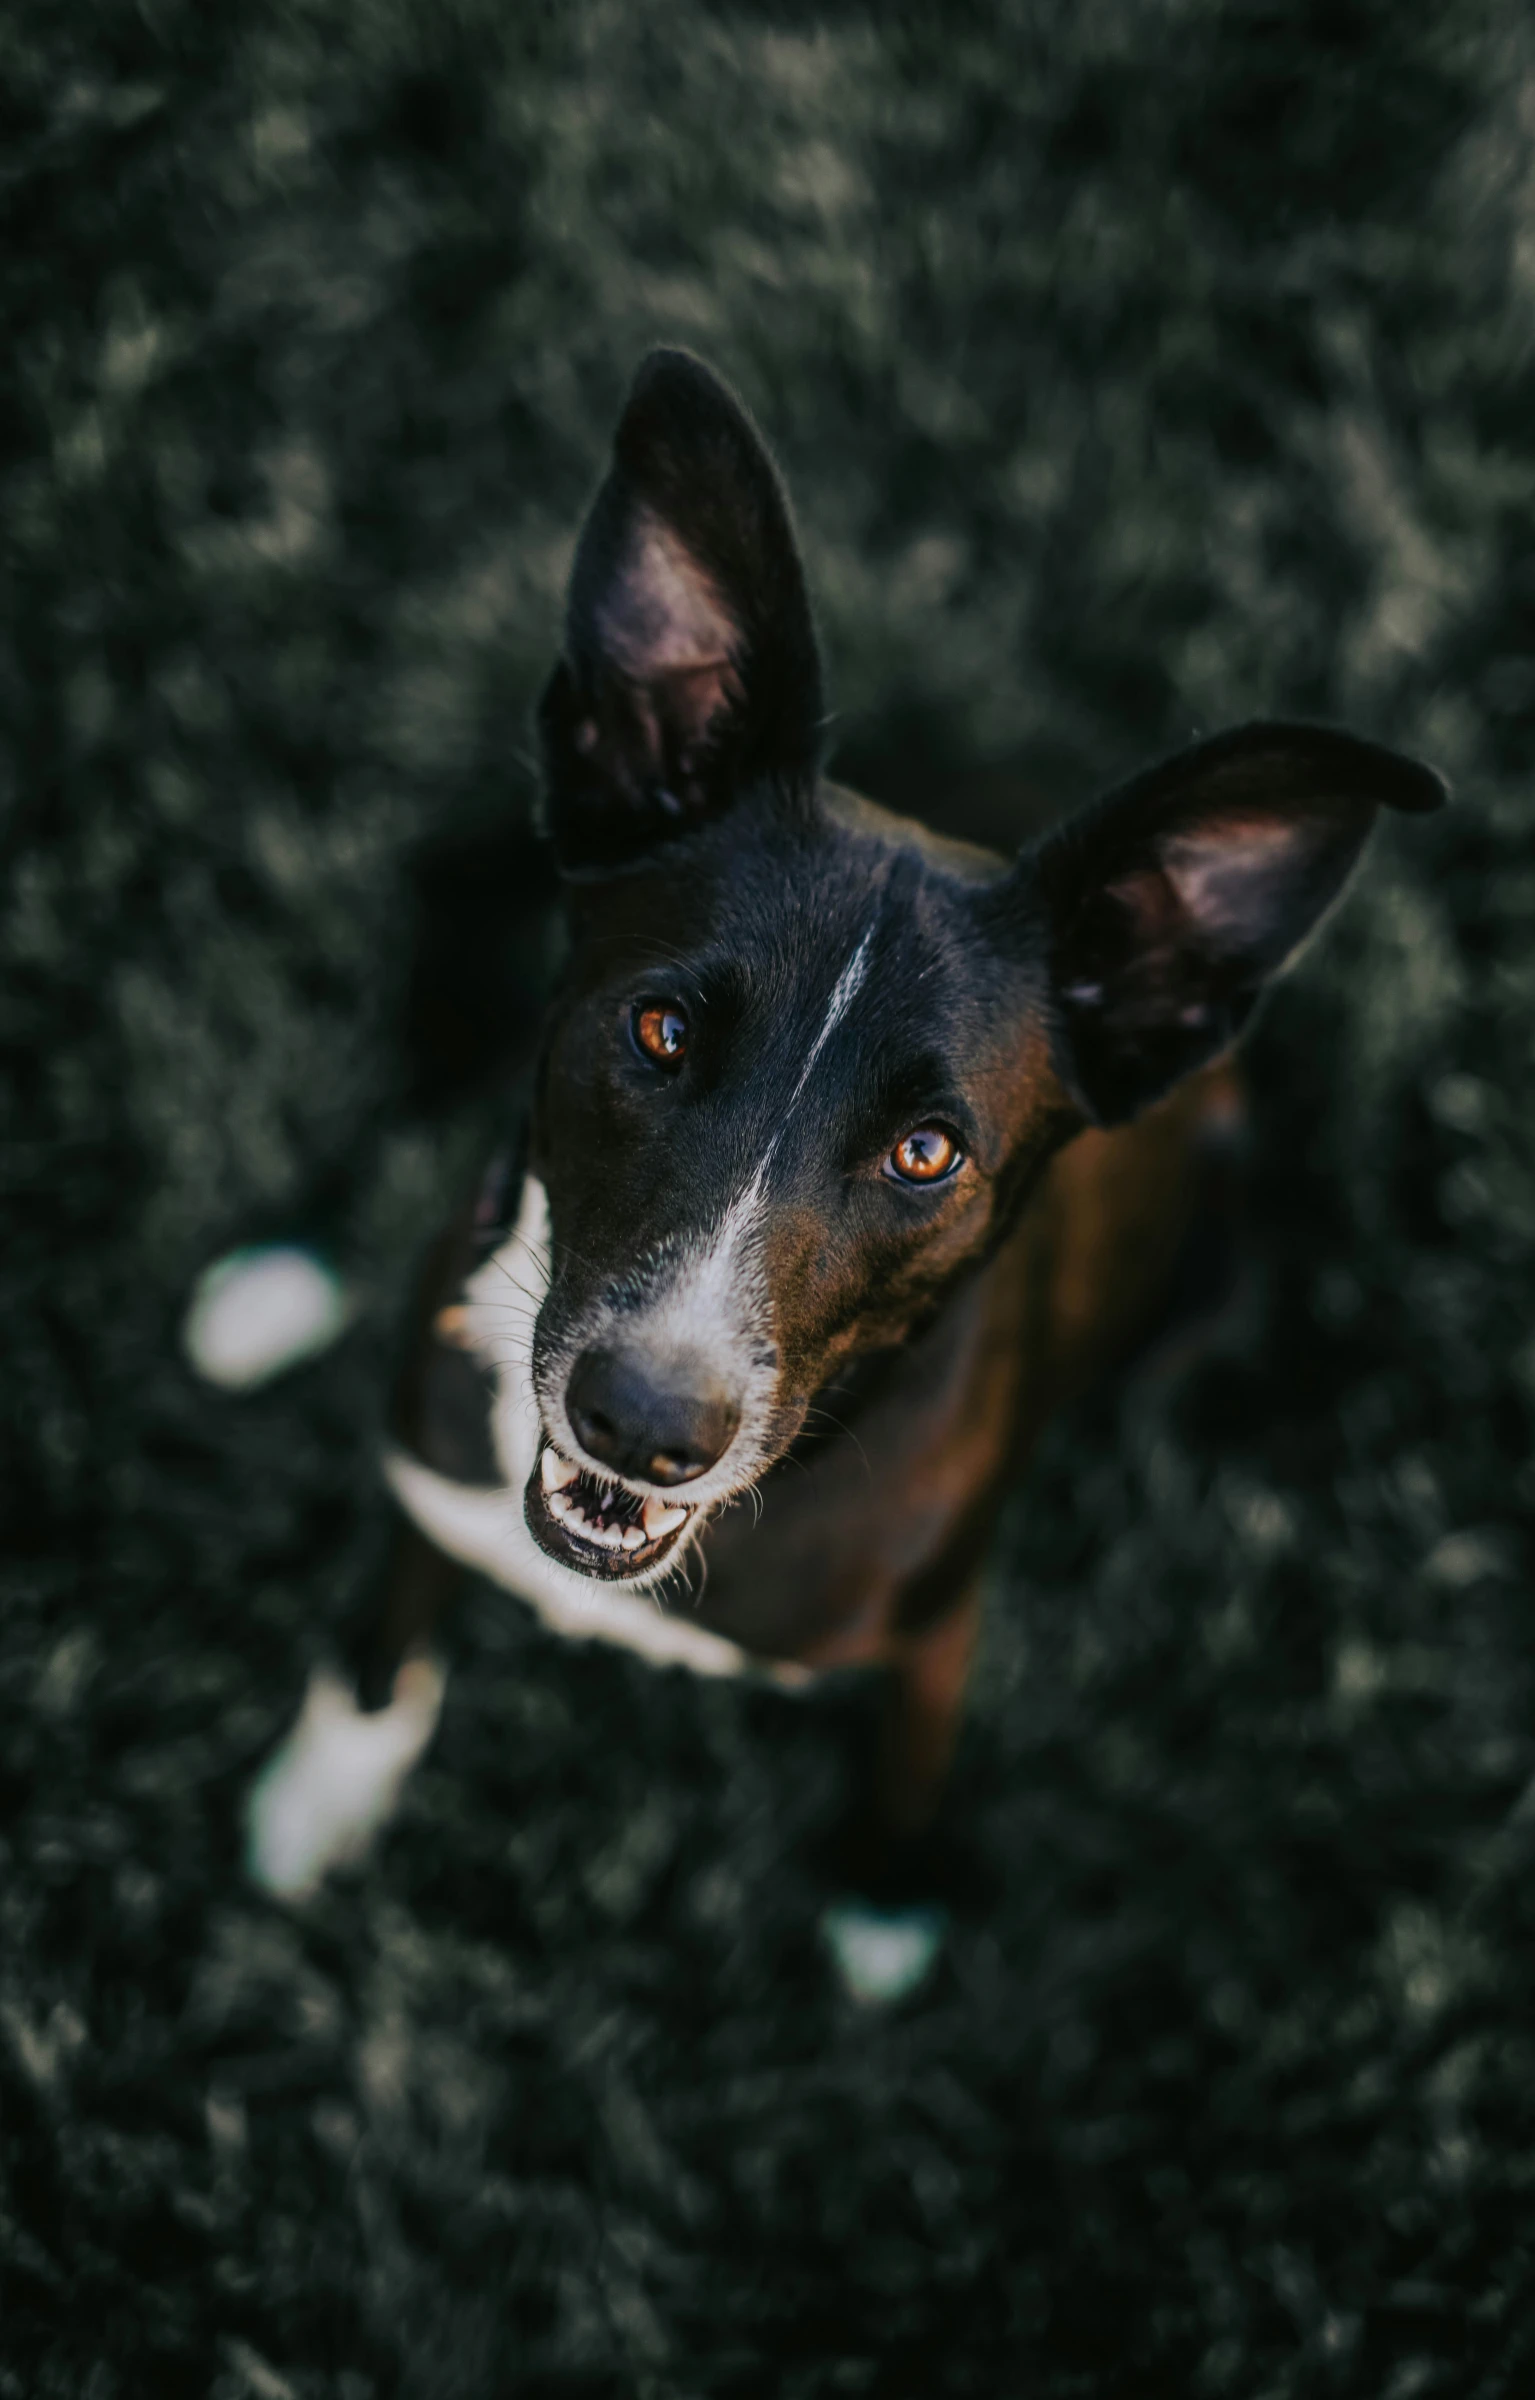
[882, 1954]
[257, 1311]
[324, 1794]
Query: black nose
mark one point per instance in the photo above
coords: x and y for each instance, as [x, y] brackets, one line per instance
[665, 1423]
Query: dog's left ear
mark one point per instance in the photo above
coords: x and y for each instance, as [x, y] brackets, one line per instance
[1170, 904]
[690, 668]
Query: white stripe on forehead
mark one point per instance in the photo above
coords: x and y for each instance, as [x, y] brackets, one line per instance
[844, 992]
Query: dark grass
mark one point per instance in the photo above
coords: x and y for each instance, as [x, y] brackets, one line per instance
[1136, 369]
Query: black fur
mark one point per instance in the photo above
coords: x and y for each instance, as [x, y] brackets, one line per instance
[708, 870]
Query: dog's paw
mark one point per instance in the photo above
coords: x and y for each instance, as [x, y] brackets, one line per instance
[882, 1955]
[329, 1787]
[258, 1311]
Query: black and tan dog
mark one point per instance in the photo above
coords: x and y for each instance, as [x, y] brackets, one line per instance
[853, 1153]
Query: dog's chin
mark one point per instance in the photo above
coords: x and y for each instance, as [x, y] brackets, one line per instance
[598, 1529]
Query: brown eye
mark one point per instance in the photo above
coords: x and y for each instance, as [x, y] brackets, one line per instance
[926, 1156]
[661, 1032]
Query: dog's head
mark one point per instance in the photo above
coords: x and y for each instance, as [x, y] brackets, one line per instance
[807, 1061]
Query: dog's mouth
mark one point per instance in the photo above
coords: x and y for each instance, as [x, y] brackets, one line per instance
[595, 1527]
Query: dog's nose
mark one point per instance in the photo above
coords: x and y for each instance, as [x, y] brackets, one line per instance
[665, 1424]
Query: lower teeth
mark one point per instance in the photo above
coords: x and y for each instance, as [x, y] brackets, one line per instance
[657, 1519]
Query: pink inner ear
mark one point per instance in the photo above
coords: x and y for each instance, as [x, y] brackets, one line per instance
[1228, 874]
[1213, 890]
[689, 702]
[1154, 904]
[670, 646]
[662, 614]
[655, 737]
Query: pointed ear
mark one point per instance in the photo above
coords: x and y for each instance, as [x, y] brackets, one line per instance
[690, 666]
[1171, 904]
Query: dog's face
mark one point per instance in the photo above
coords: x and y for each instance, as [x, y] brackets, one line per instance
[807, 1062]
[787, 1091]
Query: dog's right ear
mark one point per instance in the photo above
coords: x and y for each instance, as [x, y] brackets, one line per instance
[690, 668]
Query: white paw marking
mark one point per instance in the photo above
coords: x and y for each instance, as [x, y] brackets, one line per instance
[329, 1787]
[882, 1955]
[257, 1311]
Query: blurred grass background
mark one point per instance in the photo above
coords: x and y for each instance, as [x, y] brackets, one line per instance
[1136, 368]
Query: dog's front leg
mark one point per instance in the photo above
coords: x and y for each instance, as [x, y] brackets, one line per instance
[398, 1628]
[335, 1781]
[886, 1934]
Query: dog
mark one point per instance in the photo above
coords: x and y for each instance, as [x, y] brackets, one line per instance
[853, 1153]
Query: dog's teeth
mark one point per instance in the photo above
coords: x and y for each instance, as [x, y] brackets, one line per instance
[605, 1528]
